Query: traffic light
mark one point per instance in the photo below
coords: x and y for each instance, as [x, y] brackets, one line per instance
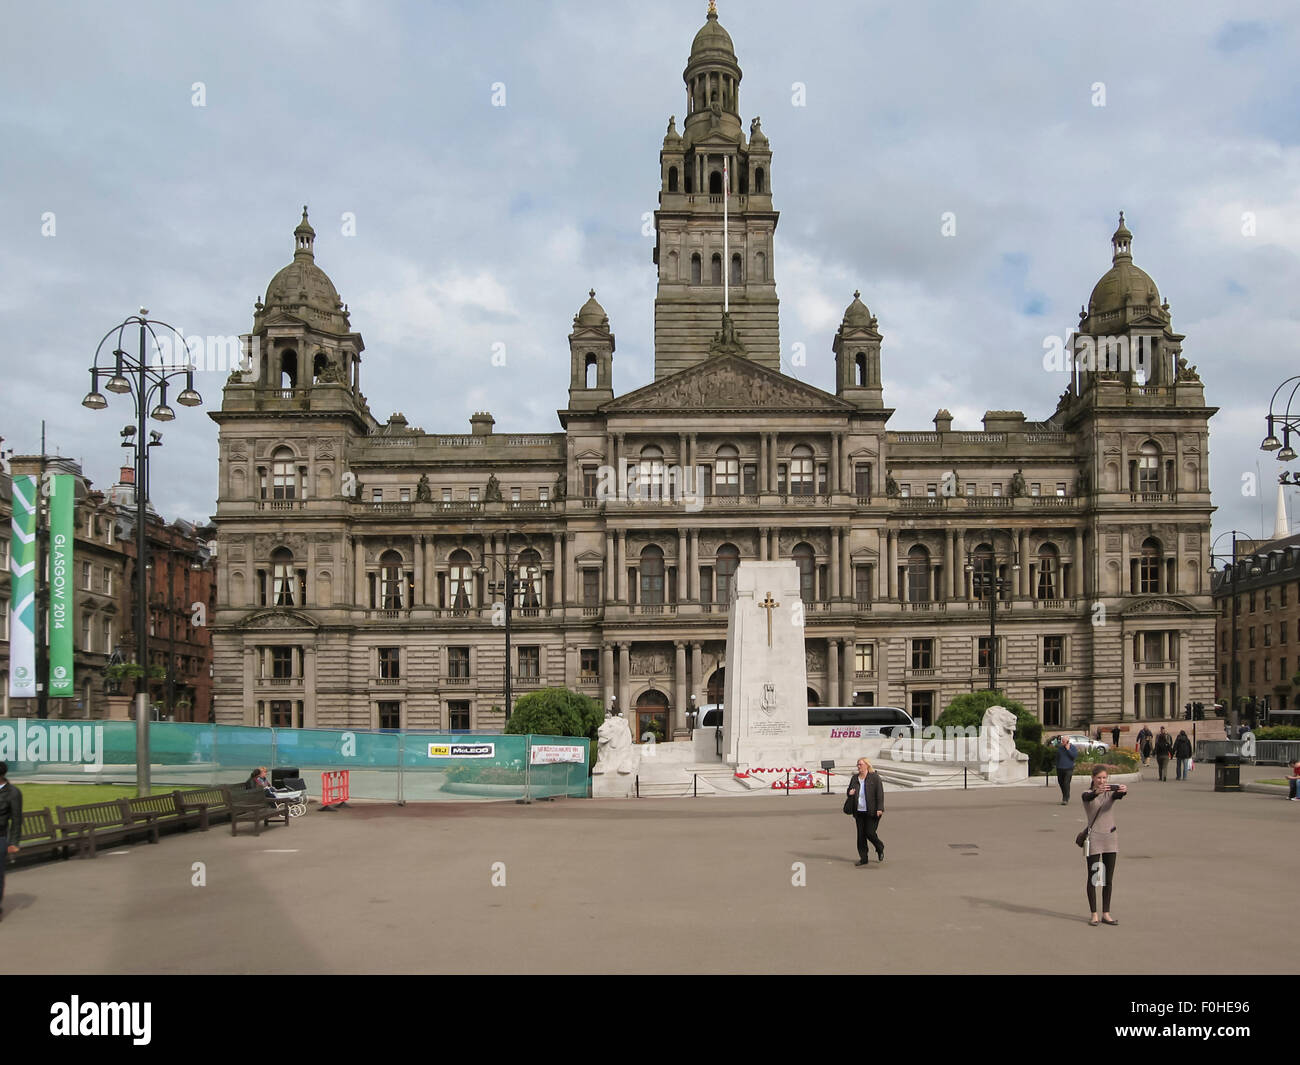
[1198, 711]
[1187, 712]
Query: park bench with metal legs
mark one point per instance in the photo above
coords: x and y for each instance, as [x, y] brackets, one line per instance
[255, 806]
[208, 803]
[163, 811]
[42, 836]
[106, 822]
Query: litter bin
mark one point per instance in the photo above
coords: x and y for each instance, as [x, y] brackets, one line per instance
[1227, 772]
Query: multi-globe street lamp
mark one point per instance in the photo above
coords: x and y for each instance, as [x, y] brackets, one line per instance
[144, 379]
[983, 566]
[509, 587]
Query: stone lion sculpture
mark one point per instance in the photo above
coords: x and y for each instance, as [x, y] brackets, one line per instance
[998, 744]
[614, 751]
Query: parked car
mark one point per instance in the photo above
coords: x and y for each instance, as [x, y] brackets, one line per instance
[1080, 741]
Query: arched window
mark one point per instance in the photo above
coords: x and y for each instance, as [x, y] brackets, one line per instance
[1149, 566]
[726, 471]
[759, 179]
[1148, 468]
[671, 272]
[760, 266]
[390, 581]
[918, 575]
[801, 471]
[318, 365]
[461, 576]
[981, 577]
[806, 561]
[695, 269]
[813, 698]
[672, 179]
[591, 370]
[650, 473]
[528, 583]
[860, 370]
[652, 576]
[724, 571]
[717, 686]
[1049, 573]
[716, 267]
[283, 582]
[284, 475]
[288, 368]
[715, 183]
[735, 269]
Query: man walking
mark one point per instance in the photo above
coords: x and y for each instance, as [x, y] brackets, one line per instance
[11, 825]
[1143, 744]
[866, 802]
[1114, 736]
[1066, 753]
[1164, 748]
[1182, 752]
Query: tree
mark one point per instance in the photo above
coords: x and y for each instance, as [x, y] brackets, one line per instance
[968, 709]
[556, 712]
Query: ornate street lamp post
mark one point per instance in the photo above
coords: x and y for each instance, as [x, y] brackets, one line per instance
[509, 586]
[144, 380]
[1231, 576]
[984, 581]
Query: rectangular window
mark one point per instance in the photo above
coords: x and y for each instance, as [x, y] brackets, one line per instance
[1268, 635]
[530, 659]
[864, 582]
[1060, 488]
[473, 495]
[749, 476]
[822, 480]
[1053, 650]
[997, 488]
[390, 663]
[589, 482]
[1035, 489]
[970, 489]
[782, 477]
[865, 655]
[85, 576]
[458, 661]
[1252, 671]
[1053, 707]
[85, 633]
[544, 495]
[987, 650]
[458, 715]
[390, 715]
[591, 587]
[108, 636]
[282, 662]
[514, 495]
[1281, 632]
[1252, 602]
[446, 495]
[923, 654]
[862, 481]
[931, 491]
[589, 663]
[376, 495]
[1250, 636]
[1268, 670]
[923, 708]
[108, 581]
[405, 495]
[905, 491]
[281, 713]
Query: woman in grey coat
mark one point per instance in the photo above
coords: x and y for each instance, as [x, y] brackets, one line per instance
[1102, 847]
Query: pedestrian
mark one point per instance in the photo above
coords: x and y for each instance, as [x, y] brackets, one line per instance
[1144, 744]
[866, 802]
[1066, 753]
[1293, 783]
[1182, 752]
[1114, 736]
[11, 825]
[1101, 849]
[1164, 748]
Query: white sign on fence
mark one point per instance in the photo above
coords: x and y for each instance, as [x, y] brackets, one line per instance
[550, 753]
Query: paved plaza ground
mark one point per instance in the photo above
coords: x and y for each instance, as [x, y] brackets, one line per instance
[982, 881]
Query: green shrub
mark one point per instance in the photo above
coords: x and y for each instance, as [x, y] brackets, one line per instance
[968, 709]
[555, 712]
[1117, 759]
[1278, 732]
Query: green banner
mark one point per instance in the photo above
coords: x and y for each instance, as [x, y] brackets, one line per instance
[62, 528]
[22, 591]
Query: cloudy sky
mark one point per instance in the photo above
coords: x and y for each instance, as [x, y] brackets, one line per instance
[478, 225]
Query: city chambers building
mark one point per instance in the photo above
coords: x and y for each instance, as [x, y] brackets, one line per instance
[361, 561]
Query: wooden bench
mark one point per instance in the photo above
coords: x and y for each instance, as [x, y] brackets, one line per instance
[163, 810]
[108, 822]
[206, 802]
[253, 805]
[41, 836]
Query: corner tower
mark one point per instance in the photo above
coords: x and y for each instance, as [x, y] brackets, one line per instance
[689, 249]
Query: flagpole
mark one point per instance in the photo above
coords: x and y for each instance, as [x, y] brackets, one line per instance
[726, 251]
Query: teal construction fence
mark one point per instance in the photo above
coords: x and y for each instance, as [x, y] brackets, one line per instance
[397, 766]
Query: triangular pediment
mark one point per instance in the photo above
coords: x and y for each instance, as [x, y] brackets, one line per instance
[277, 619]
[1159, 605]
[727, 383]
[280, 318]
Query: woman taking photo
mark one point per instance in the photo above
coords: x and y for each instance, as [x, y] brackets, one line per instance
[1102, 847]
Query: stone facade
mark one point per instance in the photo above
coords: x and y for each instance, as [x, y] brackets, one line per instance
[359, 558]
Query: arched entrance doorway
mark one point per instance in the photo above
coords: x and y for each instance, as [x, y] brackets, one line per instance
[717, 686]
[652, 716]
[813, 698]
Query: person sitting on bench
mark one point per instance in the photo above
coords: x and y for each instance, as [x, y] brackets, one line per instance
[258, 778]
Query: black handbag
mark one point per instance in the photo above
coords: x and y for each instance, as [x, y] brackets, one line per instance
[851, 803]
[1082, 837]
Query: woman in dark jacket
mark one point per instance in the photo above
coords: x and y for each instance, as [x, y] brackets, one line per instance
[1102, 847]
[1183, 754]
[865, 800]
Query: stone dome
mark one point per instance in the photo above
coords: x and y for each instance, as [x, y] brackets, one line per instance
[303, 289]
[712, 38]
[1124, 284]
[592, 314]
[857, 314]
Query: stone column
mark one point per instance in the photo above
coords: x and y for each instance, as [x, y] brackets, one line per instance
[559, 593]
[833, 473]
[847, 590]
[763, 484]
[1023, 582]
[700, 685]
[572, 589]
[620, 549]
[891, 565]
[625, 682]
[693, 551]
[833, 673]
[359, 569]
[951, 557]
[606, 673]
[835, 590]
[849, 665]
[762, 545]
[683, 566]
[772, 460]
[611, 589]
[959, 577]
[679, 694]
[419, 571]
[309, 687]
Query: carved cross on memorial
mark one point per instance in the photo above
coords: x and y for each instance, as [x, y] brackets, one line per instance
[769, 604]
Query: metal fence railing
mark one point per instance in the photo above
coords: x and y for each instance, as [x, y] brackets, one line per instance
[1258, 752]
[398, 766]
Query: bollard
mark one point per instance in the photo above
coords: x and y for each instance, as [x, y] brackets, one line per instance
[638, 785]
[965, 771]
[787, 782]
[695, 786]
